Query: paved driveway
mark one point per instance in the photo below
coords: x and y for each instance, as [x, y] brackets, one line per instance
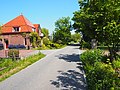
[60, 70]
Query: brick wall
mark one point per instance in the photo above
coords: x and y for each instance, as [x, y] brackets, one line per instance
[16, 39]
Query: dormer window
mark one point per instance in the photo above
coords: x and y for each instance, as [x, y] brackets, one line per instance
[33, 29]
[16, 29]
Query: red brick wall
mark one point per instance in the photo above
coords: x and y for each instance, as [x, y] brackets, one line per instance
[15, 39]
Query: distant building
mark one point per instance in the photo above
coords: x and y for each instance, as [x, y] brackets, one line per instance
[16, 31]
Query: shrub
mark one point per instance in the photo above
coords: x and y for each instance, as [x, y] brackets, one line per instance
[43, 47]
[13, 53]
[54, 45]
[21, 46]
[59, 41]
[16, 47]
[84, 44]
[11, 46]
[101, 77]
[46, 41]
[57, 45]
[91, 56]
[1, 46]
[116, 64]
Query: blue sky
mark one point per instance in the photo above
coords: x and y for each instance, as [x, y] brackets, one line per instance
[44, 12]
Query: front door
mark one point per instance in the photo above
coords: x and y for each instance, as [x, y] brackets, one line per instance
[6, 42]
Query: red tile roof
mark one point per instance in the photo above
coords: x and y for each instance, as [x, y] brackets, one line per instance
[20, 21]
[37, 26]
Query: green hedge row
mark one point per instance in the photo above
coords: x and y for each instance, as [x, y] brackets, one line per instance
[100, 73]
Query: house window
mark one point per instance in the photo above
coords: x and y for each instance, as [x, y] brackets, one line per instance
[16, 29]
[25, 41]
[33, 29]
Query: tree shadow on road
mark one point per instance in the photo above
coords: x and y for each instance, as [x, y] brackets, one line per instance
[70, 80]
[69, 58]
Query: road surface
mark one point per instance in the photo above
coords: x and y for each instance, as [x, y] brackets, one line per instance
[60, 70]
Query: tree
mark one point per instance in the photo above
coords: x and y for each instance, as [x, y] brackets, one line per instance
[35, 39]
[100, 20]
[45, 32]
[62, 31]
[76, 37]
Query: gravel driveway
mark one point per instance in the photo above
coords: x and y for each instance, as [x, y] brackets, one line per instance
[60, 70]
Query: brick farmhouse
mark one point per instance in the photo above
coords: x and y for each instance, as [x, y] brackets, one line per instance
[16, 32]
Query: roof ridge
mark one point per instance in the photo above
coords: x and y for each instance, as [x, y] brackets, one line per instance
[19, 21]
[26, 21]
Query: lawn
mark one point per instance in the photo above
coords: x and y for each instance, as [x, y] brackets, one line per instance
[9, 67]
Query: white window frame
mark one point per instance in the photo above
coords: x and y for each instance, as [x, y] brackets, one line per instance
[16, 29]
[33, 29]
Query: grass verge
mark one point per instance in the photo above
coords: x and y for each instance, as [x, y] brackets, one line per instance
[9, 67]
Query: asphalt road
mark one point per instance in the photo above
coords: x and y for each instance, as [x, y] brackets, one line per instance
[60, 70]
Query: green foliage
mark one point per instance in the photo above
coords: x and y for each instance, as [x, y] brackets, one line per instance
[46, 41]
[91, 56]
[13, 53]
[45, 32]
[76, 37]
[116, 64]
[8, 67]
[5, 63]
[59, 42]
[99, 19]
[35, 39]
[43, 47]
[100, 75]
[84, 44]
[57, 45]
[62, 30]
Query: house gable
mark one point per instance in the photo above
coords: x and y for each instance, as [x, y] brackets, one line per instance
[19, 24]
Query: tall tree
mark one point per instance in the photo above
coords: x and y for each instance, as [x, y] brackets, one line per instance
[99, 19]
[45, 32]
[62, 31]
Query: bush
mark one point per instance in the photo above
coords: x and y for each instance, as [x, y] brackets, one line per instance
[116, 64]
[53, 45]
[1, 46]
[57, 45]
[43, 47]
[91, 56]
[84, 44]
[13, 53]
[101, 77]
[21, 47]
[59, 41]
[16, 47]
[46, 41]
